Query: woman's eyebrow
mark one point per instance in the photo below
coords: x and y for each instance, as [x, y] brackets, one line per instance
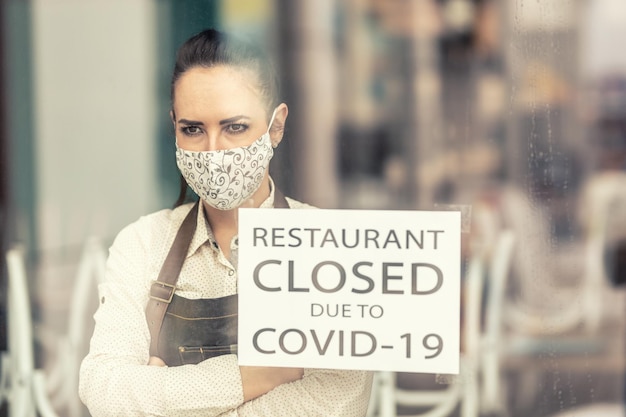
[190, 122]
[233, 119]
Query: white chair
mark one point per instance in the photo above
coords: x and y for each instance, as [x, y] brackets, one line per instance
[567, 318]
[462, 390]
[23, 386]
[513, 330]
[491, 344]
[546, 298]
[602, 214]
[71, 348]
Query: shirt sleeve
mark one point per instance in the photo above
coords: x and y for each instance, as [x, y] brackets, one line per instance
[328, 393]
[115, 379]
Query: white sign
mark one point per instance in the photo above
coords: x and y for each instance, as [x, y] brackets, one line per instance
[350, 289]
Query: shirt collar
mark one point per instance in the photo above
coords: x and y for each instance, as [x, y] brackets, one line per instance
[269, 201]
[204, 234]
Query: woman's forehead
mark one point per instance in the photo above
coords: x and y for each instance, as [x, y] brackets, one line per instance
[219, 86]
[217, 79]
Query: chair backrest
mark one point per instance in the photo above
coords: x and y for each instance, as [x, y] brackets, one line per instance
[602, 214]
[20, 337]
[26, 386]
[90, 273]
[499, 268]
[63, 378]
[461, 389]
[528, 292]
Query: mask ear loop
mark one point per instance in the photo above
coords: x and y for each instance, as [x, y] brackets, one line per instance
[269, 126]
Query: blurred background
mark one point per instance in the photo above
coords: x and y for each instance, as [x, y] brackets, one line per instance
[513, 111]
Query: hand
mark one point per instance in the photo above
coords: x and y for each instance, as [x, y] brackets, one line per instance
[257, 380]
[155, 361]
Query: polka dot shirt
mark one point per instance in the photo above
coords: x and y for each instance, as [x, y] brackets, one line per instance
[115, 379]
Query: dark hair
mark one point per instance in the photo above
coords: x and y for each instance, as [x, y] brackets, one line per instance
[211, 48]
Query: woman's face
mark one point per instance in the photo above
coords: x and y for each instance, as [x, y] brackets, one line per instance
[217, 108]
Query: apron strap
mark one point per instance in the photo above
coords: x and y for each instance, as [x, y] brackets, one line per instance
[162, 290]
[279, 199]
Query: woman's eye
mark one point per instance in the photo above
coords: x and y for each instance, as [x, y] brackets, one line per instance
[191, 130]
[237, 128]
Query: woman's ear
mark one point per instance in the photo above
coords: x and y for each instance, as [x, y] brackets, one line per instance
[278, 126]
[172, 117]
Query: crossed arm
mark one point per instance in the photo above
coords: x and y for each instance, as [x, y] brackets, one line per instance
[116, 378]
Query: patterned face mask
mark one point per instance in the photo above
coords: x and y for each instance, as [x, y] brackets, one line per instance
[226, 178]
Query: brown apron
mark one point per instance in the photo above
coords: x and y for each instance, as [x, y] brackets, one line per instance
[185, 331]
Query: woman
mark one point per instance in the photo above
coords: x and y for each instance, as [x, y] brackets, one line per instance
[227, 120]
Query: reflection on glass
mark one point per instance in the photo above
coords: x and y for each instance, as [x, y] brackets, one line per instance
[514, 108]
